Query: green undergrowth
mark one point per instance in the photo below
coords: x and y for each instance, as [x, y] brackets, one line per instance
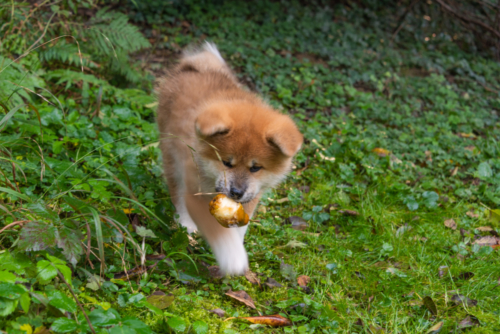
[397, 184]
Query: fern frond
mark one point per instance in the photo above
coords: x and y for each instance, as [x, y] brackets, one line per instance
[111, 30]
[72, 77]
[66, 53]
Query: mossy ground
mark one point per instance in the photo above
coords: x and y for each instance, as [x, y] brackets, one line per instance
[406, 133]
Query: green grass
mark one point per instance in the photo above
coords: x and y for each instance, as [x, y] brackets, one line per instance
[405, 135]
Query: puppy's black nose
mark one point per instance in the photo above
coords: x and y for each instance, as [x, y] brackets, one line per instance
[236, 193]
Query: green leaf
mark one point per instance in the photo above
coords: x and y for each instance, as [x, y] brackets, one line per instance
[144, 232]
[177, 324]
[104, 318]
[137, 325]
[55, 260]
[122, 330]
[332, 267]
[200, 327]
[61, 301]
[46, 271]
[36, 236]
[495, 216]
[14, 262]
[98, 231]
[64, 325]
[65, 271]
[42, 210]
[7, 277]
[484, 170]
[25, 302]
[411, 203]
[15, 193]
[11, 290]
[430, 199]
[161, 301]
[153, 308]
[70, 241]
[7, 306]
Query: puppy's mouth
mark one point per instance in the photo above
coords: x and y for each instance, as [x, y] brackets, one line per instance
[243, 200]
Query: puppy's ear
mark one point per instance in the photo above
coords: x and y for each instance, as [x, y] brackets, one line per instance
[213, 122]
[285, 136]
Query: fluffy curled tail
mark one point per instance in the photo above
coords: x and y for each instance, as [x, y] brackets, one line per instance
[205, 59]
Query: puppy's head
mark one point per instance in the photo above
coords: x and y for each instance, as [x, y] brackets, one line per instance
[245, 147]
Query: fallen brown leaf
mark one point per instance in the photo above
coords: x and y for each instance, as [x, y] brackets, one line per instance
[214, 272]
[472, 214]
[272, 283]
[305, 189]
[469, 321]
[137, 271]
[436, 328]
[157, 257]
[298, 223]
[221, 313]
[487, 241]
[303, 280]
[241, 296]
[381, 152]
[252, 277]
[349, 212]
[451, 224]
[484, 229]
[274, 320]
[461, 299]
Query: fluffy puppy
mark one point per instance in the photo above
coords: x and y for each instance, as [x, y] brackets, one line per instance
[218, 137]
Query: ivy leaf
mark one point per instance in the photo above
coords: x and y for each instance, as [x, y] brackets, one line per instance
[484, 171]
[177, 324]
[137, 325]
[64, 325]
[200, 327]
[411, 203]
[61, 301]
[36, 236]
[430, 199]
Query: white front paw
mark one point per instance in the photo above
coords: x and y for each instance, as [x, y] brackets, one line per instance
[231, 256]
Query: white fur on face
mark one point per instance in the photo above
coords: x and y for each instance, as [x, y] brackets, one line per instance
[223, 177]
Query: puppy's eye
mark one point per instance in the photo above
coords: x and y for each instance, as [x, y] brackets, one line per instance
[254, 169]
[227, 164]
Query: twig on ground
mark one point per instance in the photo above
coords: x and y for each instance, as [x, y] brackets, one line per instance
[20, 222]
[61, 276]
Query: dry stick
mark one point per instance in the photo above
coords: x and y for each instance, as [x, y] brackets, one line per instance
[13, 224]
[61, 276]
[88, 244]
[403, 17]
[465, 18]
[497, 22]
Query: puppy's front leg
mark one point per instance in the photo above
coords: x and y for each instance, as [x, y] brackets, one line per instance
[226, 243]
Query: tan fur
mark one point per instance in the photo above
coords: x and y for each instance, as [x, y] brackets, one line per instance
[202, 106]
